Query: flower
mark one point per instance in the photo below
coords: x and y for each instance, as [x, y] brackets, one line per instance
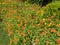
[32, 8]
[58, 34]
[18, 17]
[10, 32]
[17, 31]
[57, 41]
[43, 34]
[47, 42]
[18, 25]
[23, 27]
[53, 30]
[37, 41]
[58, 25]
[23, 34]
[28, 31]
[15, 11]
[42, 21]
[53, 16]
[11, 40]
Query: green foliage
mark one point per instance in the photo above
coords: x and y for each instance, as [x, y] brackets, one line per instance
[24, 23]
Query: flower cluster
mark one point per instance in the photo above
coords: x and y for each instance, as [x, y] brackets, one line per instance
[28, 24]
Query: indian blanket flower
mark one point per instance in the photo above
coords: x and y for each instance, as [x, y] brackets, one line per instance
[42, 21]
[10, 32]
[15, 11]
[58, 34]
[58, 25]
[23, 34]
[17, 31]
[47, 42]
[29, 31]
[58, 41]
[18, 25]
[43, 34]
[53, 30]
[23, 27]
[37, 41]
[32, 8]
[53, 16]
[18, 17]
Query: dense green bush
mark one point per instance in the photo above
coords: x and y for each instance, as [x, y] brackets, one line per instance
[25, 23]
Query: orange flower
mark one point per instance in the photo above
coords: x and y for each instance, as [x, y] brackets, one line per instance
[33, 25]
[18, 17]
[53, 16]
[25, 21]
[37, 41]
[43, 34]
[18, 25]
[17, 31]
[23, 34]
[58, 25]
[57, 41]
[11, 41]
[22, 27]
[10, 32]
[32, 8]
[47, 42]
[42, 21]
[15, 11]
[28, 31]
[53, 30]
[58, 34]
